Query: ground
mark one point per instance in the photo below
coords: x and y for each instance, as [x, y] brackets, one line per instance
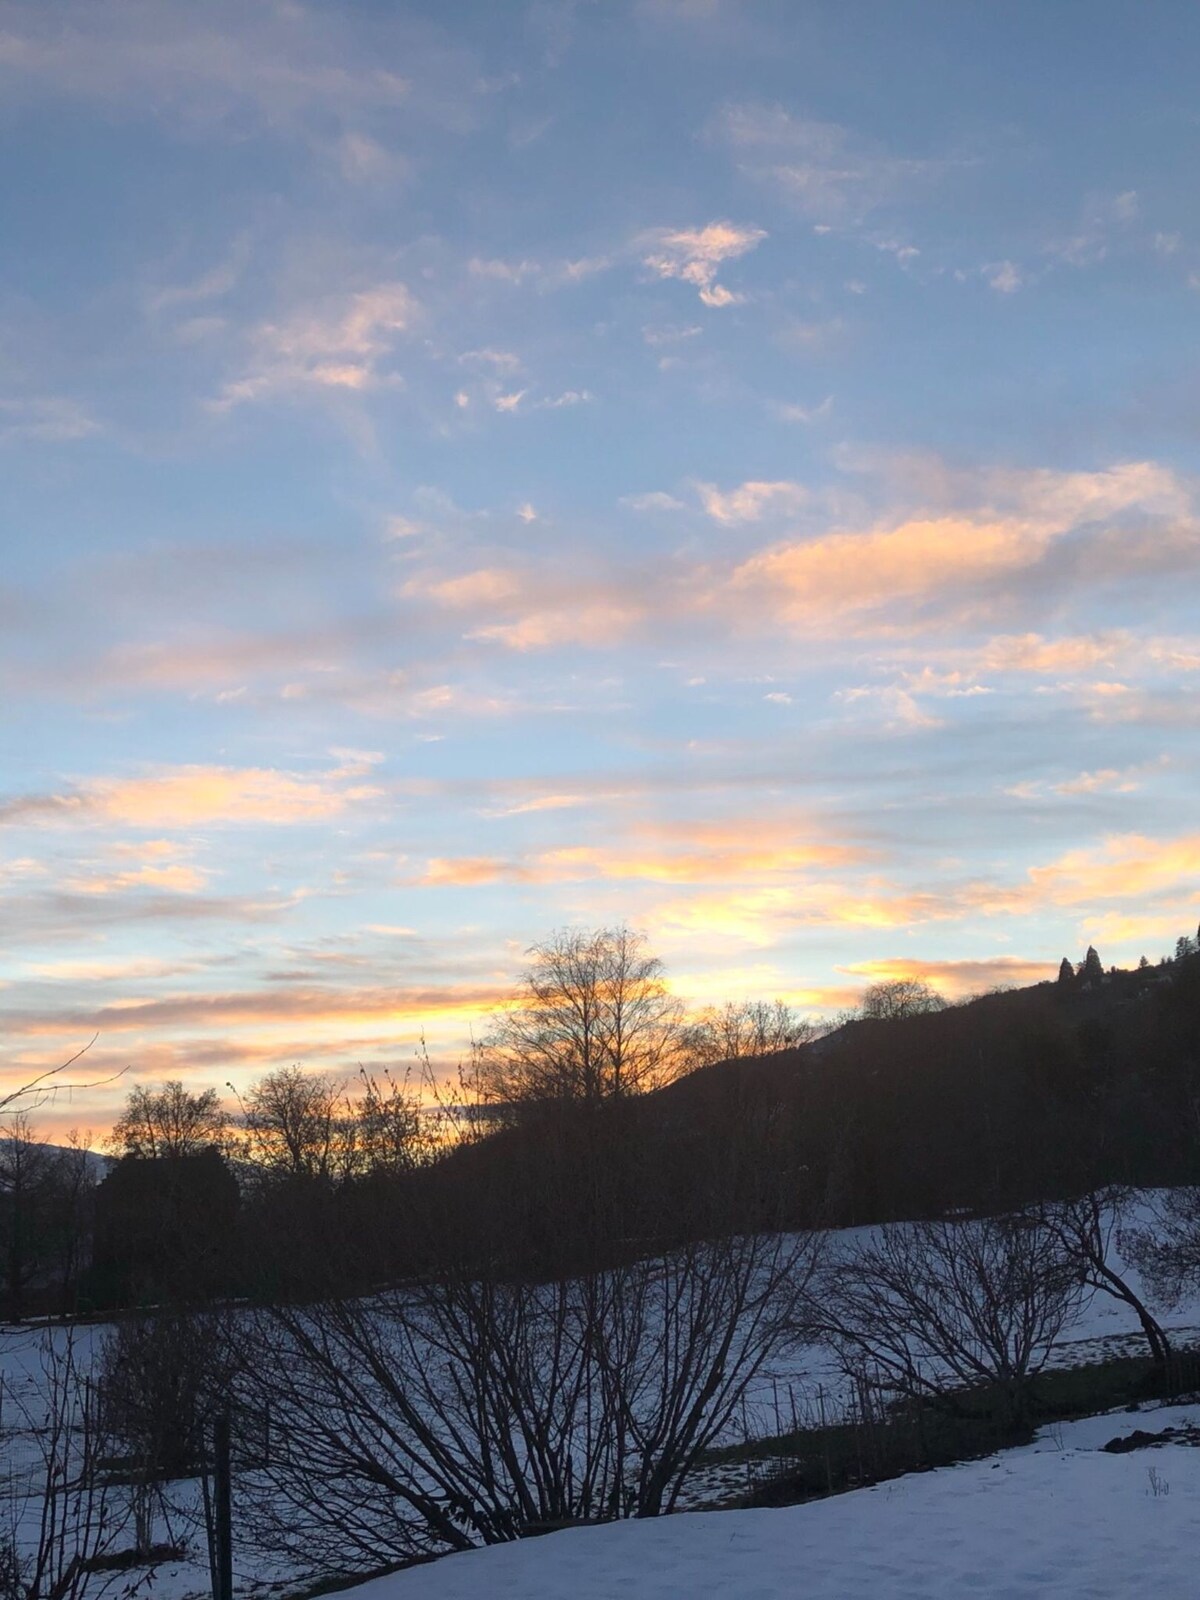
[1060, 1518]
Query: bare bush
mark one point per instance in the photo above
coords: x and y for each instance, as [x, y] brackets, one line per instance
[465, 1410]
[68, 1520]
[931, 1307]
[161, 1379]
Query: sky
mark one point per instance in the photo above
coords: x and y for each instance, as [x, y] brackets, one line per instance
[721, 466]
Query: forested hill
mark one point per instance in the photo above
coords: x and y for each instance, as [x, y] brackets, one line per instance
[1009, 1097]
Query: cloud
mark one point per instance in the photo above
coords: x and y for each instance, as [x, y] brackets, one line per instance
[49, 419]
[342, 343]
[655, 337]
[484, 588]
[363, 160]
[805, 414]
[1030, 652]
[467, 871]
[188, 796]
[844, 573]
[287, 69]
[749, 501]
[970, 565]
[594, 625]
[1021, 542]
[958, 980]
[173, 877]
[273, 1007]
[898, 709]
[1124, 867]
[544, 276]
[491, 360]
[655, 500]
[512, 272]
[569, 397]
[1004, 276]
[829, 174]
[695, 255]
[1102, 780]
[1102, 218]
[748, 851]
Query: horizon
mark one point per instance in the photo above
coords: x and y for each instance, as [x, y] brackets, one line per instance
[685, 463]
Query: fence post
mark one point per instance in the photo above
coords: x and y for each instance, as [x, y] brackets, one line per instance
[222, 1494]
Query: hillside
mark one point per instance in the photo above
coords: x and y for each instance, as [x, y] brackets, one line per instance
[1013, 1096]
[1017, 1096]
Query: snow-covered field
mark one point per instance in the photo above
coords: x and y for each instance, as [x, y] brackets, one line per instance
[1056, 1520]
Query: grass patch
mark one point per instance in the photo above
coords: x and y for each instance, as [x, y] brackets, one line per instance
[882, 1442]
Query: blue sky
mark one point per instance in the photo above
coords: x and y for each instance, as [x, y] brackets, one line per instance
[468, 469]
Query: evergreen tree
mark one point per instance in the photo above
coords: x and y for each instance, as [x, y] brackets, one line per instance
[1066, 972]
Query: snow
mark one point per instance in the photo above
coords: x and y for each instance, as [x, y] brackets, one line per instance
[1056, 1519]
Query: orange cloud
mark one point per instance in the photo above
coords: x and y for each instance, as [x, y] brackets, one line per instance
[177, 879]
[595, 626]
[445, 871]
[956, 980]
[746, 850]
[262, 1009]
[1126, 867]
[820, 579]
[183, 797]
[1030, 652]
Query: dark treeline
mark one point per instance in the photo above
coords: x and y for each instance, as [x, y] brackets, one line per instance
[576, 1142]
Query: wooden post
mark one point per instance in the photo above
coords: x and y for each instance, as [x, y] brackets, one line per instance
[222, 1494]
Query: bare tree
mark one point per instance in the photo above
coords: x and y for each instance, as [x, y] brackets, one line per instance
[746, 1028]
[593, 1021]
[392, 1136]
[927, 1308]
[1166, 1250]
[298, 1125]
[1088, 1227]
[166, 1123]
[900, 997]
